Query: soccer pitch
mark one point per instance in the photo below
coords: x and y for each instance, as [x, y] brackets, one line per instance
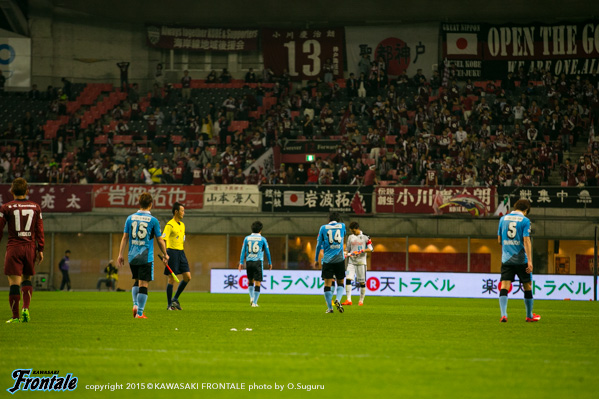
[391, 347]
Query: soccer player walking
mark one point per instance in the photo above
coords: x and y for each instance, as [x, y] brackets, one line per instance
[140, 229]
[252, 253]
[174, 235]
[25, 247]
[358, 244]
[331, 241]
[516, 258]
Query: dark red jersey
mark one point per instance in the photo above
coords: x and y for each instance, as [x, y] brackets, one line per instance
[25, 225]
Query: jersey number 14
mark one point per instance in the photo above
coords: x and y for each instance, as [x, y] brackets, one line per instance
[335, 239]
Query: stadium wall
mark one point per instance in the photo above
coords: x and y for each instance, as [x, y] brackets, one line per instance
[214, 240]
[84, 49]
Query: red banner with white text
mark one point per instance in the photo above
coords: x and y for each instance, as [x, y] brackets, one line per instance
[164, 196]
[56, 197]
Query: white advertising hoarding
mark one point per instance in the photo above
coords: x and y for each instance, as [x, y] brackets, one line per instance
[408, 284]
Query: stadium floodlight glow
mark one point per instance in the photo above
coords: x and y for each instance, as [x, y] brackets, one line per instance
[310, 157]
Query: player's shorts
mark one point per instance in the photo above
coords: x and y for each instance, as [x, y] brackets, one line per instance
[143, 272]
[177, 261]
[333, 270]
[20, 260]
[254, 270]
[508, 273]
[356, 272]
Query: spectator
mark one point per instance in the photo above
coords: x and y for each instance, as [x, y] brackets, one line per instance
[186, 85]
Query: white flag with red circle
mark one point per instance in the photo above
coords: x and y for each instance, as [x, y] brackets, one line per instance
[462, 44]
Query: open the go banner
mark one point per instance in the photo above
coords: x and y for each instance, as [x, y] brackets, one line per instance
[405, 48]
[411, 284]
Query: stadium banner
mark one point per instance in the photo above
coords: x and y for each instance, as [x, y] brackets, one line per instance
[493, 51]
[239, 196]
[56, 197]
[314, 198]
[15, 59]
[127, 195]
[408, 284]
[553, 197]
[201, 39]
[310, 147]
[303, 52]
[405, 48]
[422, 199]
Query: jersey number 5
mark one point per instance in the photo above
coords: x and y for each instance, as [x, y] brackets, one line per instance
[511, 230]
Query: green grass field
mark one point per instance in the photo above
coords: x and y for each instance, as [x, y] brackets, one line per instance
[397, 347]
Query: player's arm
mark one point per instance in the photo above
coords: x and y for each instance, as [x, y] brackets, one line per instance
[369, 247]
[267, 250]
[243, 254]
[528, 250]
[167, 233]
[120, 260]
[162, 246]
[40, 238]
[318, 248]
[2, 223]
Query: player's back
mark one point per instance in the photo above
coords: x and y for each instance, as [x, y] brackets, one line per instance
[142, 227]
[24, 219]
[330, 240]
[254, 247]
[513, 227]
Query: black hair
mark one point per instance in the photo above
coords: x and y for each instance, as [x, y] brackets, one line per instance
[354, 225]
[257, 226]
[177, 206]
[334, 216]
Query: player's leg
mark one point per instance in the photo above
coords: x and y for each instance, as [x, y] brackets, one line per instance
[173, 262]
[526, 279]
[361, 280]
[339, 271]
[14, 297]
[258, 276]
[135, 288]
[351, 274]
[183, 269]
[256, 293]
[142, 298]
[327, 275]
[26, 286]
[169, 291]
[27, 293]
[507, 276]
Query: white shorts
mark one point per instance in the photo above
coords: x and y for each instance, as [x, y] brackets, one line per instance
[356, 272]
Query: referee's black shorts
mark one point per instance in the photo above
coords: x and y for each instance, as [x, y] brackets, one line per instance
[333, 270]
[509, 272]
[177, 261]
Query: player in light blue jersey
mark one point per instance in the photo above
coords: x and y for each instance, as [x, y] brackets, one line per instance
[516, 257]
[252, 254]
[331, 240]
[141, 229]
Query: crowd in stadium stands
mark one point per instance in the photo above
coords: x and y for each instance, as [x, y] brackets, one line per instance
[408, 130]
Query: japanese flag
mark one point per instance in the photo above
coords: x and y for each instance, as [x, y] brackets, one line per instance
[462, 43]
[293, 198]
